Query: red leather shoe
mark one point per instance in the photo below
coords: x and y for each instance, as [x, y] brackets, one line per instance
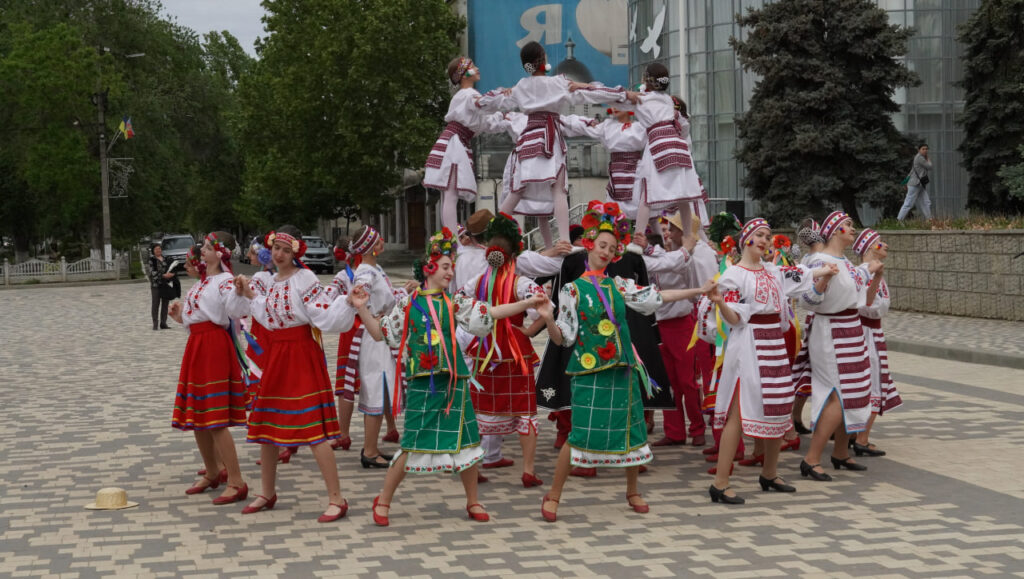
[714, 469]
[285, 456]
[391, 436]
[241, 493]
[643, 469]
[212, 483]
[638, 508]
[531, 480]
[201, 472]
[224, 476]
[269, 504]
[756, 460]
[583, 471]
[549, 516]
[500, 463]
[711, 458]
[380, 520]
[482, 517]
[790, 444]
[699, 440]
[325, 518]
[711, 450]
[480, 478]
[666, 441]
[342, 443]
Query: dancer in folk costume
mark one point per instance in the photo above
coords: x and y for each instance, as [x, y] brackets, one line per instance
[257, 336]
[450, 163]
[884, 396]
[625, 140]
[211, 391]
[294, 405]
[665, 177]
[676, 324]
[346, 368]
[440, 426]
[539, 171]
[376, 363]
[809, 236]
[503, 361]
[755, 392]
[608, 428]
[837, 348]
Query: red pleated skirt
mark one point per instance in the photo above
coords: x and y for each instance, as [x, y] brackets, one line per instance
[211, 393]
[294, 404]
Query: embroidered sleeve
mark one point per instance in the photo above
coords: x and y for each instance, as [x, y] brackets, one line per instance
[645, 300]
[533, 264]
[391, 325]
[235, 305]
[796, 280]
[729, 285]
[496, 100]
[472, 315]
[567, 322]
[811, 297]
[258, 284]
[596, 95]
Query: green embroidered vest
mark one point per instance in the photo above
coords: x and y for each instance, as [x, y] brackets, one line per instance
[422, 359]
[599, 342]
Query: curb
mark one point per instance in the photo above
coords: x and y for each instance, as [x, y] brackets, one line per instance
[954, 353]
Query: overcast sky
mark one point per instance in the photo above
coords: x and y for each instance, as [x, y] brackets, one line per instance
[239, 17]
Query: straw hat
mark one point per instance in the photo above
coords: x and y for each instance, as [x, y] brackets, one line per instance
[111, 499]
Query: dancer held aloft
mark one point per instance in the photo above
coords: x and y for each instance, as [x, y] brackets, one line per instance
[504, 360]
[755, 392]
[441, 433]
[211, 393]
[608, 428]
[837, 348]
[625, 140]
[884, 396]
[449, 166]
[665, 177]
[539, 171]
[294, 405]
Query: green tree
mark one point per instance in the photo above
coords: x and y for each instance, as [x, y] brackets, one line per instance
[818, 130]
[1013, 176]
[993, 118]
[344, 96]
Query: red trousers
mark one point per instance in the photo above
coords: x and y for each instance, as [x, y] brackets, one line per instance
[681, 365]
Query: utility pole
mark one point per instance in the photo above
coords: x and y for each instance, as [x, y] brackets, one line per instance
[101, 108]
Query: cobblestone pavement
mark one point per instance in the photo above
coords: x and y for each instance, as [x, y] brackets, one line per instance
[88, 389]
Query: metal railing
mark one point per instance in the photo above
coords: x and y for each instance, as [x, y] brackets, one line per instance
[38, 271]
[575, 215]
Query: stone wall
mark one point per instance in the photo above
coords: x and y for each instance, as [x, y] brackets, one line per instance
[962, 273]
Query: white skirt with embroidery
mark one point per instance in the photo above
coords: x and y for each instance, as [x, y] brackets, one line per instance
[429, 462]
[642, 455]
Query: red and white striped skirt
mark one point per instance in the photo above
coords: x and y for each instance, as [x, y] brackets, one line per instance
[884, 396]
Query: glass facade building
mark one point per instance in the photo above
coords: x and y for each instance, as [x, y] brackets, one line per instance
[707, 74]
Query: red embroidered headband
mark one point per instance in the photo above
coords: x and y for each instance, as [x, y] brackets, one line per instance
[749, 229]
[832, 223]
[460, 70]
[298, 246]
[364, 242]
[865, 240]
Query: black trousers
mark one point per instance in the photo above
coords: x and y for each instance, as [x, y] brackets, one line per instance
[159, 306]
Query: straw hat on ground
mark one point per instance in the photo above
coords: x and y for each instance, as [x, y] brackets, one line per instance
[111, 499]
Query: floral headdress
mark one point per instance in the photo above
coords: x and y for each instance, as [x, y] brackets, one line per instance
[221, 249]
[298, 246]
[606, 217]
[724, 225]
[532, 67]
[656, 83]
[503, 225]
[440, 244]
[192, 255]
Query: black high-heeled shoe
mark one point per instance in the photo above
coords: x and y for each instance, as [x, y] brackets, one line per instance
[371, 462]
[719, 496]
[865, 449]
[839, 463]
[807, 470]
[775, 485]
[800, 428]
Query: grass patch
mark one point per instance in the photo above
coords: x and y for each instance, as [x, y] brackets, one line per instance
[977, 222]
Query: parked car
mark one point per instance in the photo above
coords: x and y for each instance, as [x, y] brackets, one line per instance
[175, 247]
[319, 256]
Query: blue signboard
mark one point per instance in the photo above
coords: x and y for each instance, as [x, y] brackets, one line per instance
[584, 39]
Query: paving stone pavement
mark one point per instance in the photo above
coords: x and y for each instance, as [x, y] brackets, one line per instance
[88, 389]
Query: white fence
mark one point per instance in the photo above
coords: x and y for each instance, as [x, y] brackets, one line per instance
[38, 271]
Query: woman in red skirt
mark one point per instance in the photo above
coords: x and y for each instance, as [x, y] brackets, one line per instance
[211, 394]
[294, 405]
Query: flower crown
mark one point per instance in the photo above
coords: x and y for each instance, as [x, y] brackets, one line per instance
[440, 244]
[608, 217]
[298, 245]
